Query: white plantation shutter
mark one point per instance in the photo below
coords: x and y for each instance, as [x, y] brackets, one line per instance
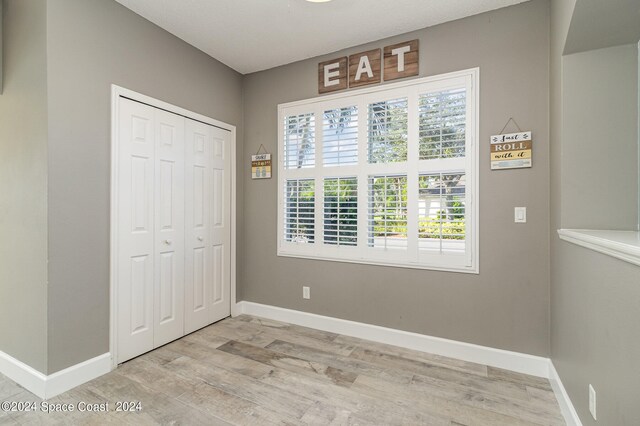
[340, 137]
[299, 215]
[341, 211]
[299, 141]
[388, 211]
[387, 131]
[441, 207]
[442, 124]
[387, 175]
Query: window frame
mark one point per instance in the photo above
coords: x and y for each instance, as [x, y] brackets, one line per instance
[413, 168]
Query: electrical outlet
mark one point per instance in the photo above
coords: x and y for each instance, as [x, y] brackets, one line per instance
[306, 292]
[592, 402]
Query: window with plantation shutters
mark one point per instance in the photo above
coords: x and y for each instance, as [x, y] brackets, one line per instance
[385, 175]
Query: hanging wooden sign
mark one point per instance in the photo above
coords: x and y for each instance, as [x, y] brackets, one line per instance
[511, 151]
[364, 68]
[261, 165]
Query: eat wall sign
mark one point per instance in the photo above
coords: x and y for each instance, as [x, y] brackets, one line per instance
[395, 61]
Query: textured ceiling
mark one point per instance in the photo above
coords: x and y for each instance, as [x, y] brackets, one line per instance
[253, 35]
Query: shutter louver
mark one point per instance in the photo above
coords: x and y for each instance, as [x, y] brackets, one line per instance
[442, 124]
[340, 137]
[341, 211]
[441, 212]
[387, 131]
[299, 214]
[299, 141]
[388, 211]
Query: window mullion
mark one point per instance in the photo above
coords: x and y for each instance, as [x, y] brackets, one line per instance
[318, 239]
[413, 154]
[363, 184]
[471, 171]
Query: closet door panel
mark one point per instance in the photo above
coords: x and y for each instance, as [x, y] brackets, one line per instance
[170, 227]
[135, 229]
[198, 277]
[219, 300]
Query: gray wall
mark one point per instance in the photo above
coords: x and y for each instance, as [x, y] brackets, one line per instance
[92, 44]
[23, 184]
[600, 144]
[594, 333]
[595, 299]
[507, 304]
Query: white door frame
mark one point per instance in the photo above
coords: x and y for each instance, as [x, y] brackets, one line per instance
[116, 93]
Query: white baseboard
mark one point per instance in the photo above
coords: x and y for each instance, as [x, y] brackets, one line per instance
[78, 374]
[514, 361]
[24, 375]
[46, 387]
[566, 406]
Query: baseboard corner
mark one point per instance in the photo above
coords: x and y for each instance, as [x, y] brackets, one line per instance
[48, 386]
[566, 406]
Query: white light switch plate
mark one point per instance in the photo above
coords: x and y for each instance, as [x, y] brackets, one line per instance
[520, 215]
[306, 292]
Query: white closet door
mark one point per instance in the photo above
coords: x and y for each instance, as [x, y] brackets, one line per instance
[135, 232]
[220, 225]
[198, 228]
[173, 227]
[207, 261]
[169, 228]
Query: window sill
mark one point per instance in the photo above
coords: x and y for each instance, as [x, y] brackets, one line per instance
[452, 267]
[623, 245]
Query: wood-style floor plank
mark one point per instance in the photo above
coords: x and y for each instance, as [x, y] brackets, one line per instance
[248, 370]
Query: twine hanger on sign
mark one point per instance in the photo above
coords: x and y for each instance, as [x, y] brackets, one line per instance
[262, 148]
[509, 121]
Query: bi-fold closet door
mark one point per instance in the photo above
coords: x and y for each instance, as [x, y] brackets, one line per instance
[173, 234]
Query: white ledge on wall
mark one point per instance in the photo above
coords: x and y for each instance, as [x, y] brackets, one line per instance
[623, 245]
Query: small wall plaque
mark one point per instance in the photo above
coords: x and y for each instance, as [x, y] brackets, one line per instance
[511, 151]
[261, 165]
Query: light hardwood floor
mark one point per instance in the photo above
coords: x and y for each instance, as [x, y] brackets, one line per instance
[252, 371]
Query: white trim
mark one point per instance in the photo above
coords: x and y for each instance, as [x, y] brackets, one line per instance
[514, 361]
[24, 375]
[78, 374]
[116, 93]
[46, 387]
[623, 245]
[566, 406]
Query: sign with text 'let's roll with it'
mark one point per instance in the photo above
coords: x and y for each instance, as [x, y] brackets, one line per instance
[511, 151]
[370, 67]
